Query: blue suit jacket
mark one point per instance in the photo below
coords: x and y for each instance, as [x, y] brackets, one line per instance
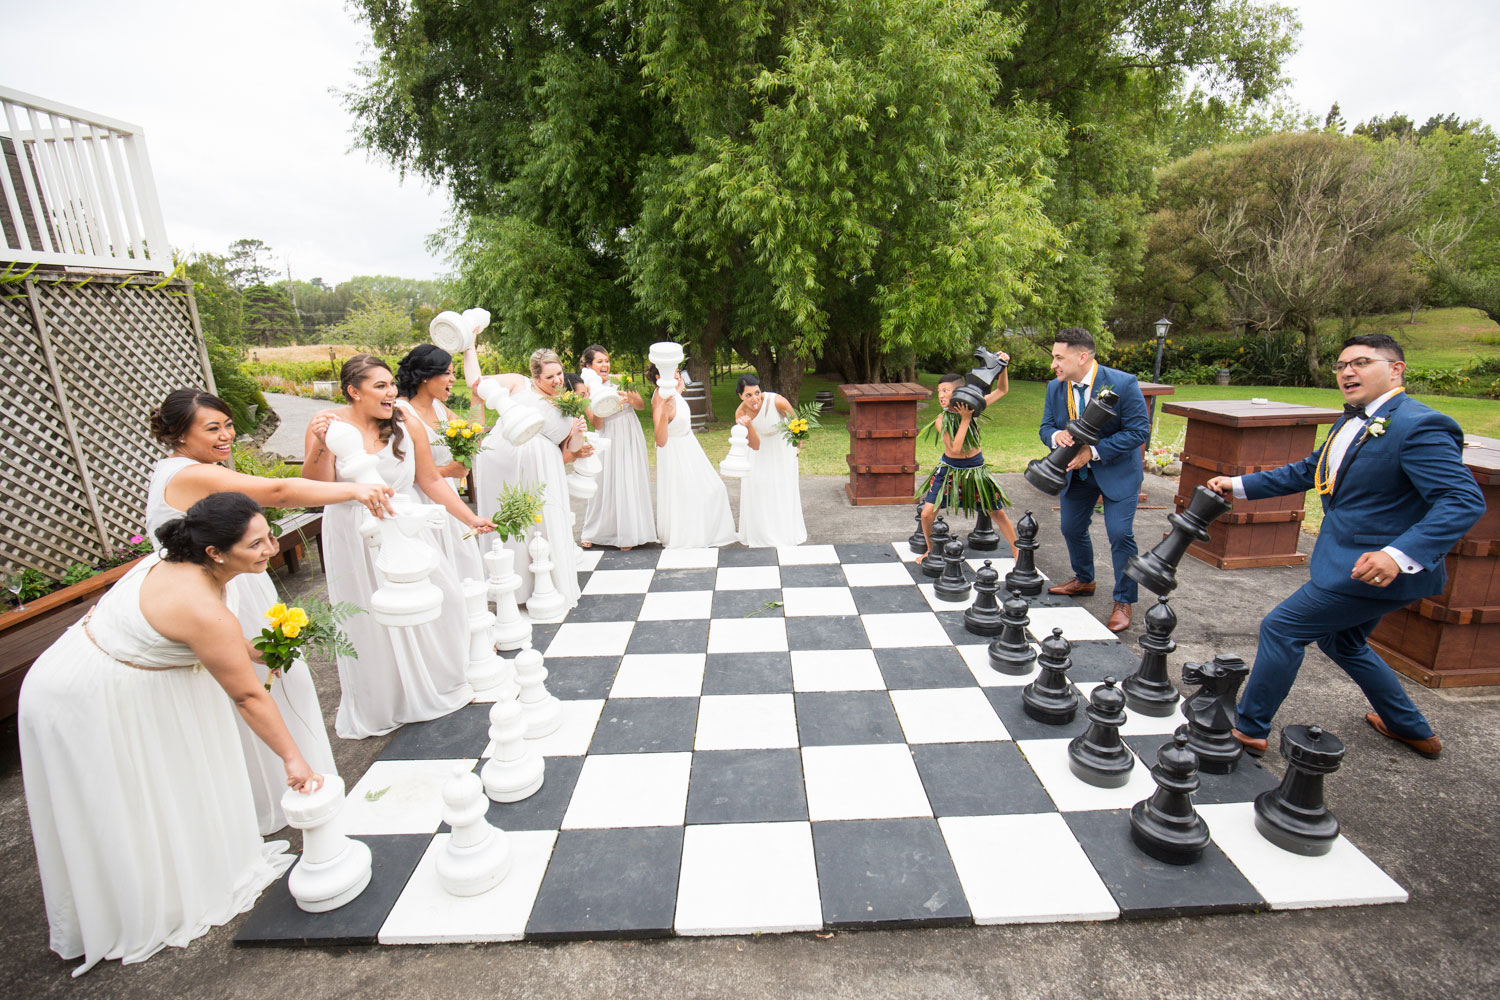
[1118, 467]
[1407, 487]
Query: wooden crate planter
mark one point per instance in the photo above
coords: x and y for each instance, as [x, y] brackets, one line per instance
[882, 441]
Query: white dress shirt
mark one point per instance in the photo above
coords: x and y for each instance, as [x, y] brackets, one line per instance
[1087, 385]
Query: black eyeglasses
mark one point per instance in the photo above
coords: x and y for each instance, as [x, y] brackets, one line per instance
[1358, 364]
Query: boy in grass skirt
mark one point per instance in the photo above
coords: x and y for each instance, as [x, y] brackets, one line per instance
[960, 479]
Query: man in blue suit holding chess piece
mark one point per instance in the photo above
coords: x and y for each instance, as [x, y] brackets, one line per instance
[1110, 470]
[1396, 497]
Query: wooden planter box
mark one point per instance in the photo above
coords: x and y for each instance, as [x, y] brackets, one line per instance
[296, 531]
[882, 441]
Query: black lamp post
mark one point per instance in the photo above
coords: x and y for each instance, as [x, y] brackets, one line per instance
[1162, 326]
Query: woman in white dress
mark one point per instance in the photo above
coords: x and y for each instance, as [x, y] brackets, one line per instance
[140, 812]
[692, 506]
[407, 674]
[619, 514]
[197, 426]
[770, 496]
[539, 460]
[424, 379]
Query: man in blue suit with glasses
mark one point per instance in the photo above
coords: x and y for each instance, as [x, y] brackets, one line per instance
[1396, 497]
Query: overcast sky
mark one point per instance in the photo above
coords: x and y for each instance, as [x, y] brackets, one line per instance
[247, 140]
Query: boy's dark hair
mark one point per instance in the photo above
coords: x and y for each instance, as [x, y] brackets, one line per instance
[1075, 336]
[1376, 341]
[950, 377]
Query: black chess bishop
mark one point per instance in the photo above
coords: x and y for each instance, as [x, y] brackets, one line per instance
[917, 541]
[932, 566]
[1293, 815]
[1166, 825]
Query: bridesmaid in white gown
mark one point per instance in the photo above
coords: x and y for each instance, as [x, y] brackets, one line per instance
[619, 514]
[401, 675]
[424, 379]
[692, 506]
[770, 496]
[197, 426]
[141, 816]
[539, 460]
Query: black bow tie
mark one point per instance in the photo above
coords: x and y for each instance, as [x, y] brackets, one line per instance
[1350, 410]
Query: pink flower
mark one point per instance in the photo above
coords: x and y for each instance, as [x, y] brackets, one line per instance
[137, 539]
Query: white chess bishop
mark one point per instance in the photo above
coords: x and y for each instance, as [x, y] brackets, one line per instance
[477, 855]
[333, 868]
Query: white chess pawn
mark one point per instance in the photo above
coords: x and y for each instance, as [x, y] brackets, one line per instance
[477, 855]
[333, 869]
[541, 711]
[486, 672]
[545, 603]
[512, 630]
[514, 770]
[737, 462]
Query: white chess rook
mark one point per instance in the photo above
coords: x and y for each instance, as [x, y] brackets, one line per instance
[541, 711]
[486, 672]
[584, 482]
[512, 630]
[545, 603]
[477, 855]
[515, 769]
[737, 462]
[333, 869]
[667, 357]
[517, 422]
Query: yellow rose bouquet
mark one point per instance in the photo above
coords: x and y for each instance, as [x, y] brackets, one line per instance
[291, 629]
[570, 404]
[799, 426]
[463, 438]
[520, 509]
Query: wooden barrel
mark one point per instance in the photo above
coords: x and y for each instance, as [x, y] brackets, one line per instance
[696, 394]
[824, 399]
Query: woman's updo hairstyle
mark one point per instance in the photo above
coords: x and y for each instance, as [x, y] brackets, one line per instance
[353, 374]
[591, 352]
[174, 417]
[745, 382]
[421, 363]
[218, 520]
[541, 358]
[653, 373]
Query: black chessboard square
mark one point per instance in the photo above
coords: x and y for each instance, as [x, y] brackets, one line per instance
[542, 809]
[747, 673]
[278, 920]
[888, 600]
[646, 725]
[746, 786]
[846, 718]
[1096, 659]
[607, 608]
[826, 632]
[689, 636]
[747, 603]
[878, 871]
[1248, 779]
[576, 678]
[458, 734]
[737, 556]
[958, 632]
[877, 552]
[814, 576]
[683, 579]
[1008, 705]
[541, 637]
[923, 667]
[637, 558]
[918, 571]
[979, 779]
[1145, 887]
[609, 883]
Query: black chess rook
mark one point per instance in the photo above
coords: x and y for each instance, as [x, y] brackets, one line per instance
[1157, 570]
[1099, 756]
[1050, 698]
[1023, 578]
[1050, 474]
[1011, 652]
[1149, 691]
[1211, 711]
[983, 617]
[1293, 815]
[1166, 825]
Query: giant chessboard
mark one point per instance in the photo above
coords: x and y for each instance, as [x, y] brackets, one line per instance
[762, 740]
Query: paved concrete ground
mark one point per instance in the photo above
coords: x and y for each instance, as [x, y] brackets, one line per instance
[1430, 824]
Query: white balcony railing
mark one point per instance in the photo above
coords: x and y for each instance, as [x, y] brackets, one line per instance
[76, 189]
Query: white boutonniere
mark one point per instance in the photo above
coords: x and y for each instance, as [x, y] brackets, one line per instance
[1377, 426]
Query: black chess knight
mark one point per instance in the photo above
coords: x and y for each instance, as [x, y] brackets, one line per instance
[1157, 570]
[1050, 474]
[1210, 711]
[980, 380]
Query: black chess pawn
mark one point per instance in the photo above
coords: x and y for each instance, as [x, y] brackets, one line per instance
[1157, 570]
[1293, 815]
[1023, 578]
[1050, 698]
[933, 565]
[1011, 652]
[1165, 825]
[917, 542]
[983, 616]
[1050, 474]
[1148, 690]
[984, 537]
[952, 586]
[1099, 756]
[1211, 712]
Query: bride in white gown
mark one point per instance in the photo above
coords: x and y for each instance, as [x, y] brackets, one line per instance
[770, 496]
[197, 426]
[141, 815]
[692, 506]
[619, 513]
[407, 674]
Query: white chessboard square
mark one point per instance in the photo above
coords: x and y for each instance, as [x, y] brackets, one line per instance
[426, 913]
[589, 559]
[1049, 760]
[880, 574]
[590, 639]
[399, 796]
[659, 675]
[995, 857]
[572, 738]
[1000, 564]
[798, 602]
[935, 602]
[1342, 877]
[688, 559]
[836, 670]
[677, 605]
[619, 581]
[806, 555]
[877, 781]
[747, 635]
[977, 659]
[748, 578]
[1138, 724]
[748, 878]
[1076, 624]
[904, 552]
[630, 789]
[746, 722]
[947, 715]
[899, 631]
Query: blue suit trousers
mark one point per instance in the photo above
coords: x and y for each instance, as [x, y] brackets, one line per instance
[1077, 510]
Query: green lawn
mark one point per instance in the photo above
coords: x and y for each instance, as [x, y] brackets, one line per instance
[1440, 338]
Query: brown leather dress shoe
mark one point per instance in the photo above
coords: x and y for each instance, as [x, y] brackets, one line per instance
[1254, 745]
[1429, 748]
[1119, 618]
[1072, 589]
